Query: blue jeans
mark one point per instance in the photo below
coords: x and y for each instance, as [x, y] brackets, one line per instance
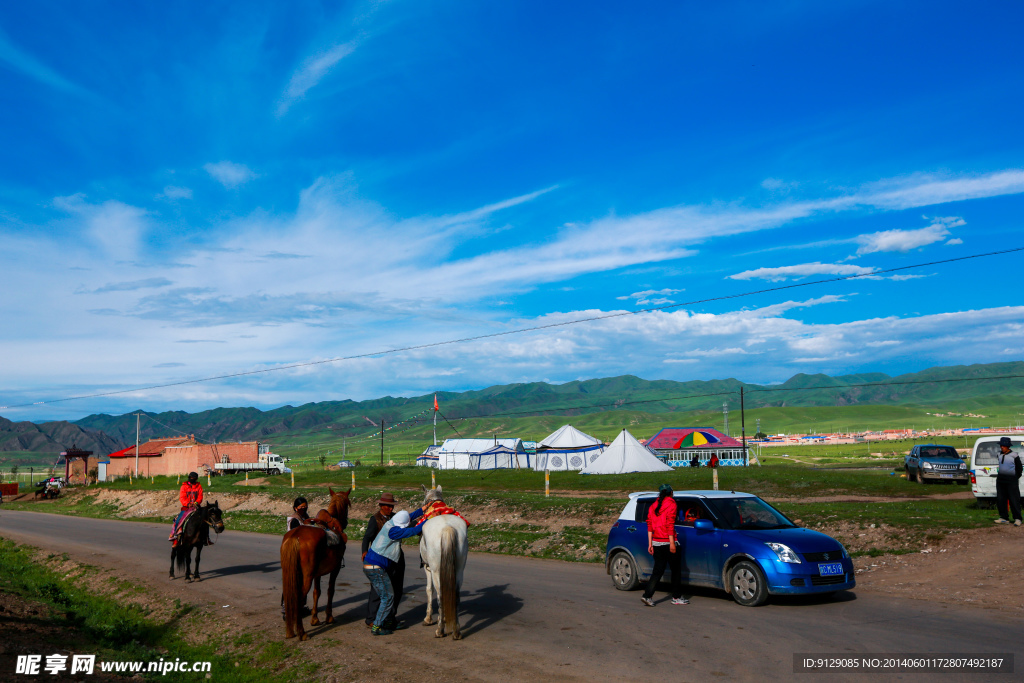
[382, 584]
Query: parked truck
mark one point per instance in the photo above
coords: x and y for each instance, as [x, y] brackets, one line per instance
[271, 463]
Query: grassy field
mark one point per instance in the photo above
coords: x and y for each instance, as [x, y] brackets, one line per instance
[120, 621]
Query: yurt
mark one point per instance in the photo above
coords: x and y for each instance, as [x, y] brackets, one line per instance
[455, 454]
[623, 455]
[567, 449]
[428, 458]
[499, 458]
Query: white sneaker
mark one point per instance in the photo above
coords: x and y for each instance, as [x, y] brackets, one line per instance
[647, 601]
[680, 601]
[1016, 523]
[1002, 521]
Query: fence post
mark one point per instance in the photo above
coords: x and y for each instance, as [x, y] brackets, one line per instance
[715, 478]
[547, 483]
[353, 479]
[433, 482]
[293, 478]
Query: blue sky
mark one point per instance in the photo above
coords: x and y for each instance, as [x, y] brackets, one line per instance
[196, 189]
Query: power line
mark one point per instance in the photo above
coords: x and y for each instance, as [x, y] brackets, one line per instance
[521, 330]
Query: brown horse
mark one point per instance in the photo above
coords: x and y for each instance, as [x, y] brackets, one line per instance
[306, 555]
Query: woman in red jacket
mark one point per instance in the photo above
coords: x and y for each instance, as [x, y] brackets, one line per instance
[191, 496]
[661, 543]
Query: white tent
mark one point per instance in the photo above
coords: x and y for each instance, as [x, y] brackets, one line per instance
[626, 454]
[454, 454]
[567, 448]
[499, 458]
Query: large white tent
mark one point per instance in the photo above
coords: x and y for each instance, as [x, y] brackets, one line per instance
[499, 458]
[567, 448]
[455, 454]
[626, 454]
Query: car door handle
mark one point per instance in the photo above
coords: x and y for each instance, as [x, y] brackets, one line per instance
[631, 529]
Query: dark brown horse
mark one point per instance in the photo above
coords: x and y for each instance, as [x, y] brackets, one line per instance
[195, 534]
[307, 553]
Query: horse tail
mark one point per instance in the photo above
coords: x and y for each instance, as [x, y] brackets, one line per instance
[449, 584]
[179, 554]
[291, 579]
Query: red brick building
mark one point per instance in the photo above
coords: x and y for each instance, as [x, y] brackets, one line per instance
[180, 455]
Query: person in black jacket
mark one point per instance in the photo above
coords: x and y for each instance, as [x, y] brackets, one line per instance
[1008, 483]
[396, 571]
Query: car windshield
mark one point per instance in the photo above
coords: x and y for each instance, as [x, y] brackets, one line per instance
[939, 452]
[749, 513]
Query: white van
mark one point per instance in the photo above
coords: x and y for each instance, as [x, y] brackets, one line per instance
[985, 466]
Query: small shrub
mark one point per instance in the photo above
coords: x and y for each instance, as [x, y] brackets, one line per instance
[378, 472]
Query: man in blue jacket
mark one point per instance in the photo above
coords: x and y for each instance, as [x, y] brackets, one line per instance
[386, 549]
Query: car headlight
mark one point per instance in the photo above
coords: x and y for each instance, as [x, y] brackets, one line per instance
[784, 552]
[963, 466]
[926, 465]
[846, 554]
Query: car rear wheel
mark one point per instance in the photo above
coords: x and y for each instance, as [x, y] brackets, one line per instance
[910, 475]
[747, 584]
[625, 576]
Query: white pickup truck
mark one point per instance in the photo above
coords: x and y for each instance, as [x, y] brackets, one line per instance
[271, 463]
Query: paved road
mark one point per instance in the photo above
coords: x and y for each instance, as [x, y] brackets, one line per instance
[555, 620]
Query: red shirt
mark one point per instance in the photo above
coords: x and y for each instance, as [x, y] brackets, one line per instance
[191, 495]
[662, 524]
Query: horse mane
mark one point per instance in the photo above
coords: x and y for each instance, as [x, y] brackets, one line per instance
[432, 495]
[338, 507]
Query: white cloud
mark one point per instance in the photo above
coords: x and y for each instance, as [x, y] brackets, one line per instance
[955, 240]
[780, 273]
[30, 66]
[901, 240]
[230, 174]
[172, 192]
[653, 297]
[311, 72]
[116, 227]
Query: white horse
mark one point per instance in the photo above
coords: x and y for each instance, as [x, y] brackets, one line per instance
[443, 551]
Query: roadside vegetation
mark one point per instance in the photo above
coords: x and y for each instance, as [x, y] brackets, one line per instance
[56, 605]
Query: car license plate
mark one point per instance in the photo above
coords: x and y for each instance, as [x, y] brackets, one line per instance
[948, 476]
[830, 568]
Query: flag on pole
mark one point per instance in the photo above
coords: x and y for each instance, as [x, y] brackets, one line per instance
[436, 408]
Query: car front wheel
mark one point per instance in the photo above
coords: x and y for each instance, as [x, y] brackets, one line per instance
[624, 573]
[747, 584]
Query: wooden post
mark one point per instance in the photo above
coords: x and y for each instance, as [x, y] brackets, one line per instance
[715, 478]
[743, 428]
[353, 479]
[382, 442]
[208, 478]
[433, 482]
[247, 475]
[293, 478]
[547, 483]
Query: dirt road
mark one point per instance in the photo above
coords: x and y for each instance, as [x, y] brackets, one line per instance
[526, 618]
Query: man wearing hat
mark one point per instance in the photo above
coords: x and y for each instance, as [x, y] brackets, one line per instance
[395, 570]
[1008, 483]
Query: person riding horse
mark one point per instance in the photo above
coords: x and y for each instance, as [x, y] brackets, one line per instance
[191, 496]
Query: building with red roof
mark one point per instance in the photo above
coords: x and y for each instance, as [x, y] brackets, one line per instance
[179, 455]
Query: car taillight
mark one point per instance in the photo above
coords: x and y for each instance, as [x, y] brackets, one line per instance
[615, 526]
[974, 480]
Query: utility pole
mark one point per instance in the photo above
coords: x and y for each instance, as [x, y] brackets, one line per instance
[137, 444]
[725, 412]
[743, 426]
[382, 442]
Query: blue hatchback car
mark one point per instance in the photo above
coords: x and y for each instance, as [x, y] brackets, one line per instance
[732, 541]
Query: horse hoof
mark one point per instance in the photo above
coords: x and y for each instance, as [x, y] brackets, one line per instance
[429, 622]
[188, 579]
[304, 637]
[289, 635]
[438, 634]
[314, 622]
[330, 620]
[196, 578]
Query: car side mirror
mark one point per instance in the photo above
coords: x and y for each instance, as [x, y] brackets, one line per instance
[703, 525]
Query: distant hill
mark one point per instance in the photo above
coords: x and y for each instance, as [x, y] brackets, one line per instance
[54, 437]
[578, 398]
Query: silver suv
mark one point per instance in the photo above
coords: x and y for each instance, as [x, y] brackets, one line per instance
[935, 463]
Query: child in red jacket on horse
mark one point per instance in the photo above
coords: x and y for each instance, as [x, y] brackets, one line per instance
[191, 497]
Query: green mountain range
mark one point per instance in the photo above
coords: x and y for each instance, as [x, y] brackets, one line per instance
[957, 387]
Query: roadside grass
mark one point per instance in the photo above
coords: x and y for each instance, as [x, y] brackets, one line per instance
[782, 479]
[116, 629]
